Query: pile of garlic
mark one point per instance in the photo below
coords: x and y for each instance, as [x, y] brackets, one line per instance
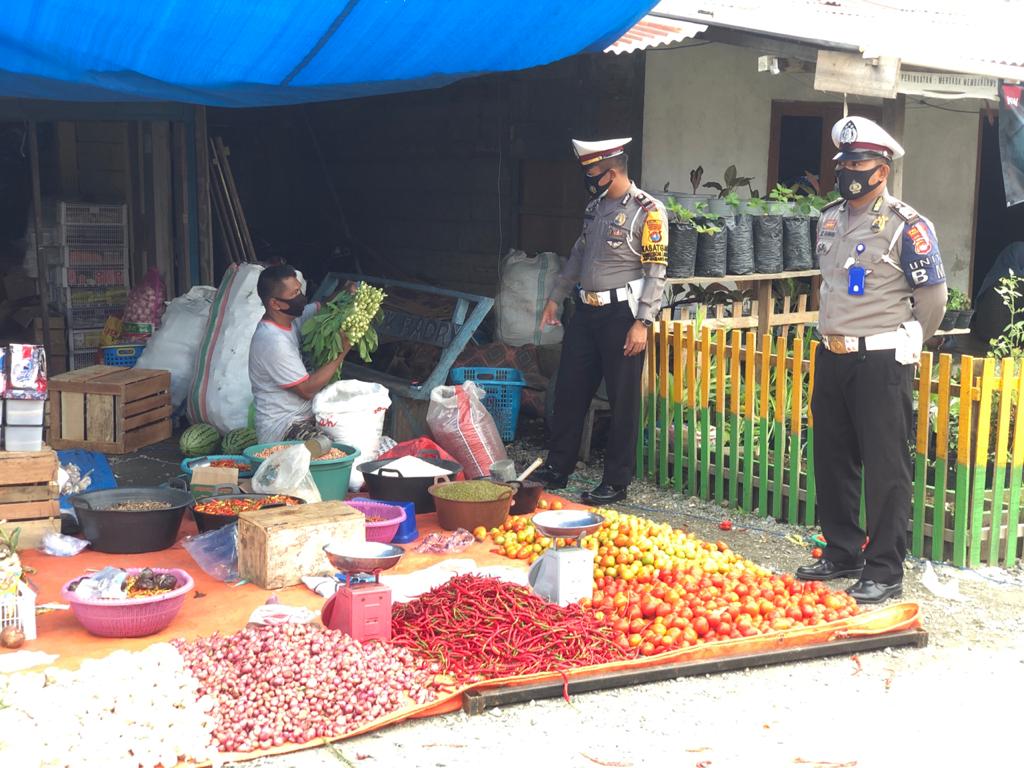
[126, 710]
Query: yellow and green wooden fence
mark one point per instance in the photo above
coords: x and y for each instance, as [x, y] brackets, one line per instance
[726, 417]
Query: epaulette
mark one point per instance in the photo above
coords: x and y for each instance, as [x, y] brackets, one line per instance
[904, 211]
[833, 204]
[645, 201]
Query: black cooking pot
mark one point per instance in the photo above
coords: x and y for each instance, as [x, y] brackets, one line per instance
[390, 485]
[129, 532]
[206, 521]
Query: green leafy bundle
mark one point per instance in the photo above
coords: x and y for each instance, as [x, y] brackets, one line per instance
[350, 314]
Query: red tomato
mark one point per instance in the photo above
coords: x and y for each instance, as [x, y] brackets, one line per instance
[725, 525]
[816, 552]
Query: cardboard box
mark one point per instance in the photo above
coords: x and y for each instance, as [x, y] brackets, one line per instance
[278, 546]
[211, 481]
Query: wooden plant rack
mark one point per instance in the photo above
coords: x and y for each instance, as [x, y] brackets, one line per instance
[29, 494]
[109, 409]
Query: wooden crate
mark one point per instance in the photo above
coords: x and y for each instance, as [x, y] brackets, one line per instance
[109, 409]
[28, 495]
[278, 546]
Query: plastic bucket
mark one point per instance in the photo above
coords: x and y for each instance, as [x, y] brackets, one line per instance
[331, 477]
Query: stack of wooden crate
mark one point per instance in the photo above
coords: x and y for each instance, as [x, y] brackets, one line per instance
[29, 495]
[110, 409]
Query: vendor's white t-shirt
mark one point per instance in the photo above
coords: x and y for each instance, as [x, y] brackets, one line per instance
[275, 367]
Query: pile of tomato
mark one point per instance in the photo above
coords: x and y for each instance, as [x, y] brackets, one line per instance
[660, 588]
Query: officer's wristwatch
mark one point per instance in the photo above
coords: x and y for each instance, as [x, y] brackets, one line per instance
[647, 323]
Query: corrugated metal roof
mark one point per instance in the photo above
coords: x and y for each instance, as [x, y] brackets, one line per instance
[650, 32]
[978, 37]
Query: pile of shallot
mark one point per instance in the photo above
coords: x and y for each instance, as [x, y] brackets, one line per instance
[126, 710]
[298, 682]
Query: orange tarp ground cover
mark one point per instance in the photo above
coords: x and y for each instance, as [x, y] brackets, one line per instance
[219, 607]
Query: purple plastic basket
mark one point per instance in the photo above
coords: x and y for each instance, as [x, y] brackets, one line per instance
[130, 617]
[383, 531]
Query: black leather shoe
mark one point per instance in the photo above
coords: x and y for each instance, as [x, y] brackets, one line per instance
[549, 477]
[605, 493]
[868, 591]
[825, 570]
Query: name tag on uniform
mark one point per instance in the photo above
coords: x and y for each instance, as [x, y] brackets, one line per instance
[856, 285]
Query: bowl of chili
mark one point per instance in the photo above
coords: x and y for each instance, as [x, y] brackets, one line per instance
[218, 511]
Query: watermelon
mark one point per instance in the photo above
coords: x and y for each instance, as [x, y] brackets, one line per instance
[199, 440]
[237, 440]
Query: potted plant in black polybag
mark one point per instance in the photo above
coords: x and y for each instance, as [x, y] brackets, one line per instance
[739, 237]
[767, 238]
[712, 244]
[797, 247]
[682, 240]
[958, 311]
[720, 205]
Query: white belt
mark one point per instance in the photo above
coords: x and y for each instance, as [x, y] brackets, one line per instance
[603, 298]
[842, 345]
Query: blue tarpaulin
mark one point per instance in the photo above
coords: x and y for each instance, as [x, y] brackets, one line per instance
[265, 52]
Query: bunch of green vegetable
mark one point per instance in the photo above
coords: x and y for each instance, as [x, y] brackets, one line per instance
[350, 314]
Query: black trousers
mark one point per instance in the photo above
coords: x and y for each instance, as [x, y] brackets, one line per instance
[592, 349]
[863, 419]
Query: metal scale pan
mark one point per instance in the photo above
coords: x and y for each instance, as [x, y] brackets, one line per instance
[566, 523]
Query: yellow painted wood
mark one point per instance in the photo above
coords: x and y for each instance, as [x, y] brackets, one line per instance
[988, 382]
[923, 402]
[691, 367]
[750, 375]
[663, 334]
[705, 368]
[735, 383]
[942, 418]
[721, 370]
[796, 404]
[677, 364]
[766, 367]
[812, 354]
[780, 381]
[1006, 381]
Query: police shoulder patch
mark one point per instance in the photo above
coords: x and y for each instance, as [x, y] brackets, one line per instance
[653, 241]
[904, 211]
[645, 201]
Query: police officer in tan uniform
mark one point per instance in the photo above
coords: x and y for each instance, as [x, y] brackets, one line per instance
[615, 274]
[883, 292]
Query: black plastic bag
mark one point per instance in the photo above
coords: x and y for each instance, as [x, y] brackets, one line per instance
[712, 251]
[739, 244]
[682, 250]
[768, 244]
[796, 243]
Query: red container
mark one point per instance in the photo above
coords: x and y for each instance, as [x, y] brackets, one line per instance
[130, 617]
[362, 611]
[384, 530]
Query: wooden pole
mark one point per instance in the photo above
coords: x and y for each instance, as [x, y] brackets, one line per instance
[37, 220]
[894, 112]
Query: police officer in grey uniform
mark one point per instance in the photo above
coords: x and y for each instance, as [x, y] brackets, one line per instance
[883, 292]
[615, 274]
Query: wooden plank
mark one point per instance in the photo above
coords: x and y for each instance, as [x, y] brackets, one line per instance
[204, 220]
[988, 381]
[652, 404]
[736, 382]
[236, 201]
[149, 435]
[30, 510]
[757, 277]
[963, 460]
[941, 451]
[1002, 444]
[32, 531]
[99, 418]
[135, 407]
[679, 372]
[72, 424]
[38, 492]
[25, 467]
[780, 425]
[691, 410]
[663, 407]
[1016, 469]
[750, 378]
[478, 701]
[795, 426]
[163, 244]
[67, 159]
[705, 414]
[147, 417]
[763, 419]
[156, 382]
[921, 457]
[721, 376]
[812, 489]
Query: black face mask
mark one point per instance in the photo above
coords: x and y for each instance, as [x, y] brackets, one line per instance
[295, 305]
[854, 184]
[595, 188]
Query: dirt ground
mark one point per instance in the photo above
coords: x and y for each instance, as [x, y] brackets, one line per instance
[952, 703]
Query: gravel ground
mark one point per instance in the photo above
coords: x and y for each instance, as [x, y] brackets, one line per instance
[953, 703]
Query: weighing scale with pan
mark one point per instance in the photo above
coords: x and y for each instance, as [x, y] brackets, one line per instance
[565, 575]
[360, 608]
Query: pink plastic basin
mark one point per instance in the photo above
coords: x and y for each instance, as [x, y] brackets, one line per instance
[130, 617]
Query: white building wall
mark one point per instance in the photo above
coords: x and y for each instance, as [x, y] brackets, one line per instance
[708, 105]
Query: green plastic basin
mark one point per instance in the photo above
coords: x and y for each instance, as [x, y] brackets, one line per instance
[331, 477]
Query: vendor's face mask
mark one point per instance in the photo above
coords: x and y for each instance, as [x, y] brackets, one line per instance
[295, 304]
[855, 184]
[595, 188]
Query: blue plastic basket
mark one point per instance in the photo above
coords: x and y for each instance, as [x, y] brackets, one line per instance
[123, 355]
[504, 388]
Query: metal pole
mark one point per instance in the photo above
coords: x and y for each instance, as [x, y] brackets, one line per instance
[37, 208]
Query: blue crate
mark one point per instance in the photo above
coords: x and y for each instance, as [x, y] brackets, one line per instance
[504, 388]
[122, 355]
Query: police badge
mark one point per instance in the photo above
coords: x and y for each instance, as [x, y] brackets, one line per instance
[849, 133]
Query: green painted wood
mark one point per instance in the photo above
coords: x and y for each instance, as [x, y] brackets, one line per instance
[793, 512]
[960, 514]
[762, 463]
[977, 517]
[705, 453]
[1013, 516]
[663, 478]
[917, 515]
[735, 451]
[779, 469]
[691, 451]
[720, 455]
[677, 447]
[748, 465]
[996, 515]
[939, 511]
[810, 511]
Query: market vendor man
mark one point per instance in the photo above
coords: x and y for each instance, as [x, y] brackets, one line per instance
[883, 292]
[615, 274]
[282, 388]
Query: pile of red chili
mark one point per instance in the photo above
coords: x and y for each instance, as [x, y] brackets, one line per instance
[241, 466]
[235, 506]
[480, 628]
